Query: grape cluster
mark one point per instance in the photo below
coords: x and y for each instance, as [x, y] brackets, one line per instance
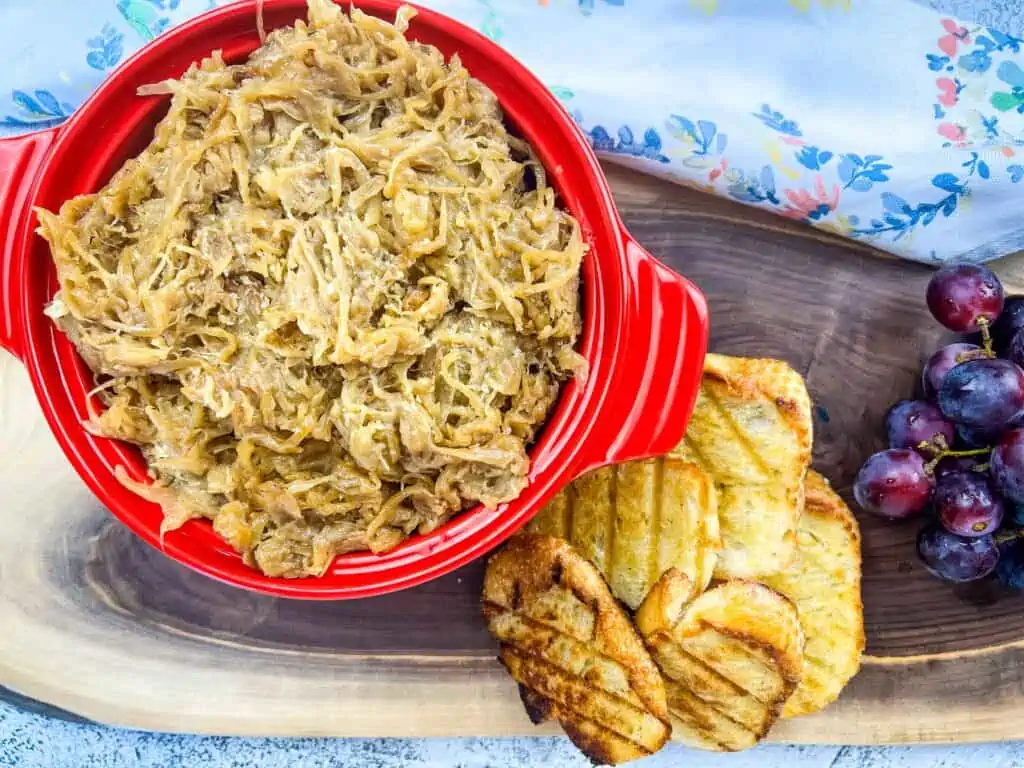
[958, 454]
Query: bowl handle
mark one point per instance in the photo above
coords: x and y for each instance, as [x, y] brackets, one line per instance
[21, 159]
[657, 377]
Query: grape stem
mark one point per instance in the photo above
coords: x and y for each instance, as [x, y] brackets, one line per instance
[986, 337]
[940, 449]
[974, 354]
[986, 351]
[1010, 535]
[971, 452]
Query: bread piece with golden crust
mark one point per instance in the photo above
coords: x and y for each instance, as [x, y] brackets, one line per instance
[572, 649]
[730, 658]
[823, 581]
[634, 521]
[751, 431]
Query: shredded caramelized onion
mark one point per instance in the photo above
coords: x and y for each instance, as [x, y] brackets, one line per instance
[333, 300]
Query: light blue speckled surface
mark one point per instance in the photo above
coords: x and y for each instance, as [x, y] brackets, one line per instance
[31, 741]
[1006, 15]
[28, 740]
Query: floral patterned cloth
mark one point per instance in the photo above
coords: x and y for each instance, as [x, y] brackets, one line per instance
[877, 119]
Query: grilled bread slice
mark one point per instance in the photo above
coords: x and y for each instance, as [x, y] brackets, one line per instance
[730, 658]
[824, 582]
[573, 650]
[751, 431]
[634, 521]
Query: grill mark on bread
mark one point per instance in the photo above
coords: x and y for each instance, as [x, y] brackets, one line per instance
[718, 674]
[569, 513]
[741, 437]
[824, 582]
[574, 650]
[591, 746]
[731, 657]
[665, 516]
[654, 542]
[709, 720]
[698, 458]
[613, 494]
[557, 570]
[565, 676]
[710, 705]
[688, 717]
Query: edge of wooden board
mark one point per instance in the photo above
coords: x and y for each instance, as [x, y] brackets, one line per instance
[413, 697]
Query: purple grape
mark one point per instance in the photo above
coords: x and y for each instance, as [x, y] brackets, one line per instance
[956, 558]
[961, 294]
[1007, 465]
[1009, 322]
[1014, 350]
[986, 394]
[893, 484]
[967, 505]
[1010, 570]
[972, 439]
[912, 422]
[949, 464]
[940, 363]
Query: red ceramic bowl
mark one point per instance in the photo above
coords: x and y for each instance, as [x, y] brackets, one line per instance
[645, 327]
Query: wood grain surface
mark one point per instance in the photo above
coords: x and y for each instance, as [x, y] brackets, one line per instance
[101, 626]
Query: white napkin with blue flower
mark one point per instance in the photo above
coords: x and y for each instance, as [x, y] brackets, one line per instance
[877, 119]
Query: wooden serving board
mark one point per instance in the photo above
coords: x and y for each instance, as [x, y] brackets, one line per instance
[96, 624]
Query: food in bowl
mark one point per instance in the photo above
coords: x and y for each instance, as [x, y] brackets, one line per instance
[332, 302]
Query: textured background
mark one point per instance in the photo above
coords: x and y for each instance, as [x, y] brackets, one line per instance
[1005, 15]
[29, 740]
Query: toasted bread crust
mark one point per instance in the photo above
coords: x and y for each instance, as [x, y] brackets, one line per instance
[730, 658]
[634, 521]
[568, 643]
[751, 430]
[751, 378]
[824, 581]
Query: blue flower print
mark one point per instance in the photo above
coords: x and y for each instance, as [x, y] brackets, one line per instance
[937, 63]
[754, 187]
[1012, 75]
[975, 165]
[899, 218]
[491, 25]
[587, 6]
[39, 110]
[142, 16]
[991, 126]
[976, 61]
[1004, 41]
[777, 121]
[107, 48]
[703, 134]
[980, 59]
[601, 140]
[860, 173]
[812, 158]
[649, 147]
[1016, 172]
